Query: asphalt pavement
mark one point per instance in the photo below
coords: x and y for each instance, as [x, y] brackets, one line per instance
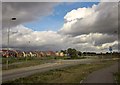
[104, 75]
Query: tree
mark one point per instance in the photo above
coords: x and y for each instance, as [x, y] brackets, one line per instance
[64, 51]
[72, 53]
[79, 53]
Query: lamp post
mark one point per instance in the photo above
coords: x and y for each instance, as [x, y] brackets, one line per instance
[12, 19]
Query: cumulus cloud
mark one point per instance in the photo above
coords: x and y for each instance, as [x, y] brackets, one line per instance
[25, 38]
[0, 24]
[101, 18]
[94, 28]
[24, 12]
[86, 29]
[96, 39]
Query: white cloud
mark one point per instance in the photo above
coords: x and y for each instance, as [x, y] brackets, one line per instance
[95, 42]
[86, 29]
[21, 36]
[107, 45]
[95, 38]
[94, 28]
[101, 18]
[79, 13]
[25, 38]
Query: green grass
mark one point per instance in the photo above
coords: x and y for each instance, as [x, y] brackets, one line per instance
[73, 74]
[23, 63]
[23, 59]
[15, 60]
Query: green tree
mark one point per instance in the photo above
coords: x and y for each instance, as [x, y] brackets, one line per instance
[79, 53]
[72, 53]
[64, 51]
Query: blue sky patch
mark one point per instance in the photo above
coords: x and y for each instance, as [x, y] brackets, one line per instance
[56, 20]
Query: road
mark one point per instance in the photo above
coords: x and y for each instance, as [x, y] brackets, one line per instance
[23, 72]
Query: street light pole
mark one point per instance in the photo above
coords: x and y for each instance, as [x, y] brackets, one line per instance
[8, 30]
[12, 19]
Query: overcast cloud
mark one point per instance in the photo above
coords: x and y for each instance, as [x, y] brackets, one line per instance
[25, 38]
[86, 29]
[24, 12]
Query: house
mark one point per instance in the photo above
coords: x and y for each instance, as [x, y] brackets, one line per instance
[60, 54]
[43, 53]
[8, 53]
[37, 53]
[57, 53]
[26, 54]
[33, 54]
[3, 53]
[50, 53]
[29, 54]
[19, 53]
[40, 53]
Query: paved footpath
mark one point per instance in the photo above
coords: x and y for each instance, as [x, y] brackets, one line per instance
[104, 75]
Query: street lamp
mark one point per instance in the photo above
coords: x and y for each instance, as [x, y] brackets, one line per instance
[12, 19]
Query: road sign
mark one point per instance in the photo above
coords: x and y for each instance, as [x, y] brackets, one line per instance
[110, 49]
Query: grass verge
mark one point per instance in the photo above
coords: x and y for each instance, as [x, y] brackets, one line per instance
[23, 64]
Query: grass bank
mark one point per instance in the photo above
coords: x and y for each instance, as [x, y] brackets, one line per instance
[12, 60]
[13, 63]
[72, 74]
[22, 64]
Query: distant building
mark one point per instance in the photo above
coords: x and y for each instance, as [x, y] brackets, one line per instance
[40, 53]
[33, 54]
[60, 54]
[29, 54]
[8, 53]
[57, 53]
[18, 53]
[50, 53]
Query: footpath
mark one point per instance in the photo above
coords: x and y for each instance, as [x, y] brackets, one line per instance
[104, 75]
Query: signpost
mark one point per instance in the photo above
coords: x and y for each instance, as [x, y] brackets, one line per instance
[110, 49]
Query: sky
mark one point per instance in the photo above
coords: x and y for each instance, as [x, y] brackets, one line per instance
[85, 26]
[57, 17]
